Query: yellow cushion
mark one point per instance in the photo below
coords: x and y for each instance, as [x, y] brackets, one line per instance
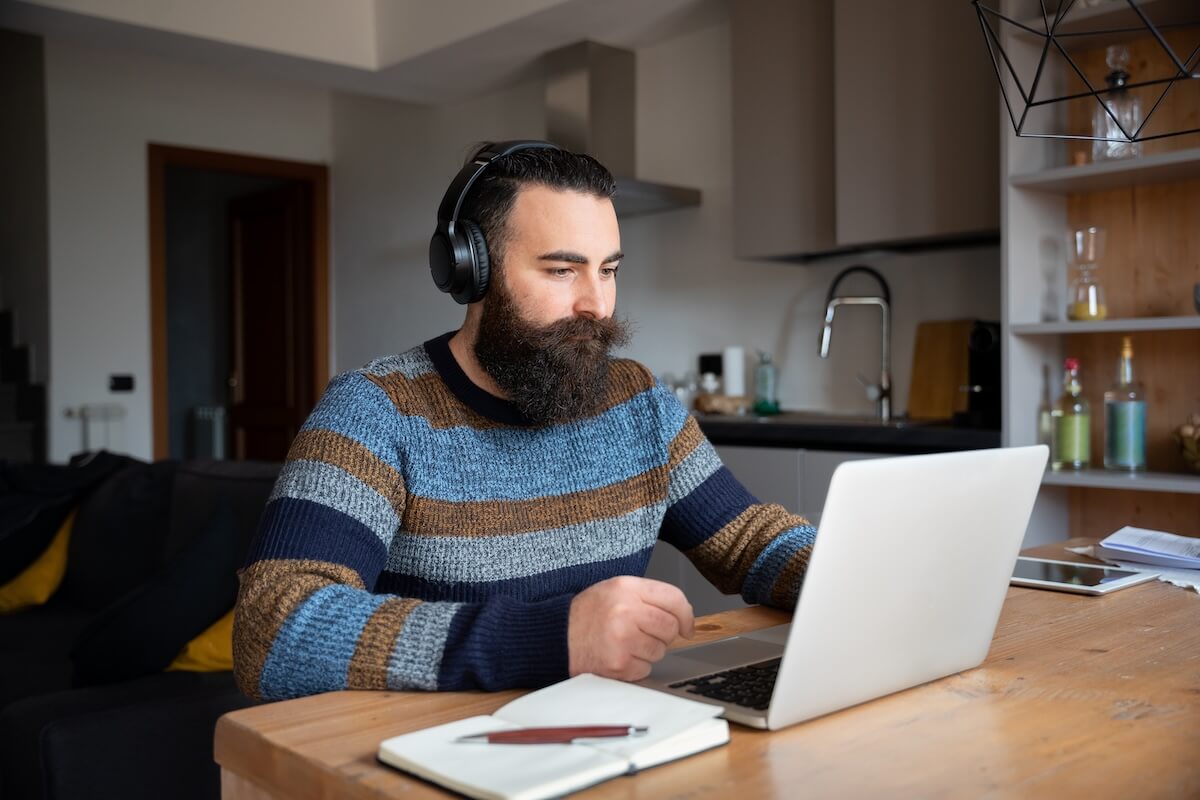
[211, 651]
[40, 579]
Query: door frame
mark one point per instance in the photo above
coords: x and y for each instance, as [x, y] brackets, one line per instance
[161, 156]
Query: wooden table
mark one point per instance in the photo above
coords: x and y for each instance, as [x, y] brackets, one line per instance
[1079, 697]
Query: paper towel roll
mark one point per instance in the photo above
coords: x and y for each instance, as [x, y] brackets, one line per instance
[733, 369]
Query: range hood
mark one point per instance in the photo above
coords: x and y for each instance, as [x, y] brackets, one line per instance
[591, 108]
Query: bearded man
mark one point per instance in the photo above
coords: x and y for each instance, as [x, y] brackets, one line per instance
[478, 512]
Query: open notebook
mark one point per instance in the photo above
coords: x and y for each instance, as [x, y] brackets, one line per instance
[677, 727]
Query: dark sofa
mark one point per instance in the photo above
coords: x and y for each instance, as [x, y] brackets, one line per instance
[86, 708]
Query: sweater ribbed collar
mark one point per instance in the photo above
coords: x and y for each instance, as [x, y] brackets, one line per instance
[478, 400]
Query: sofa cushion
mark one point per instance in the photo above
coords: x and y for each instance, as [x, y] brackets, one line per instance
[119, 532]
[243, 486]
[35, 585]
[143, 631]
[36, 498]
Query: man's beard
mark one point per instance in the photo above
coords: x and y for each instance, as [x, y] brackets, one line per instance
[552, 374]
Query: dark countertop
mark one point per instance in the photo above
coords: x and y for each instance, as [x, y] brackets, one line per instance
[830, 432]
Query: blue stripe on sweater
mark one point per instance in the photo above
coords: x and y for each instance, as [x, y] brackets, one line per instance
[760, 580]
[333, 615]
[495, 464]
[358, 409]
[302, 529]
[568, 580]
[709, 507]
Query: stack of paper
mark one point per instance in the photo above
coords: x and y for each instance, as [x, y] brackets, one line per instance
[1150, 547]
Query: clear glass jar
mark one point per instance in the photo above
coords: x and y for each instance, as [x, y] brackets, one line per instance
[1085, 296]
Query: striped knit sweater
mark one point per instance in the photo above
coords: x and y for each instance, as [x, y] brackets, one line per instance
[423, 535]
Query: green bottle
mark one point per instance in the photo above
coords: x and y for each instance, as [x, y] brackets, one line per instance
[766, 398]
[1125, 417]
[1072, 423]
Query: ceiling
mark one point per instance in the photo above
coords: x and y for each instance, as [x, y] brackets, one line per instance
[396, 49]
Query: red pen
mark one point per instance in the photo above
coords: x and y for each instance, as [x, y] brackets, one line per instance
[560, 735]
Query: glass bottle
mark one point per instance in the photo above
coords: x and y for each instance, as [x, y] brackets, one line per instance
[1125, 417]
[1111, 142]
[1072, 423]
[766, 400]
[1085, 298]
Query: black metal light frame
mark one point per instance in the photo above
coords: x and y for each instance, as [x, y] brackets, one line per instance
[1052, 21]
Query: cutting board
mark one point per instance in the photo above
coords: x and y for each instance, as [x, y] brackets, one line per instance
[939, 369]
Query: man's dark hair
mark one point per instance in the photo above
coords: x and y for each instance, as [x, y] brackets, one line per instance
[491, 198]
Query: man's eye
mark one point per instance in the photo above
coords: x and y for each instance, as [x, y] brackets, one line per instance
[561, 272]
[610, 271]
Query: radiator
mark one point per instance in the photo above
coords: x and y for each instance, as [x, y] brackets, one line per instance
[208, 432]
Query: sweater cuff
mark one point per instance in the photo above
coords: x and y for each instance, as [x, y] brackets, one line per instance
[535, 644]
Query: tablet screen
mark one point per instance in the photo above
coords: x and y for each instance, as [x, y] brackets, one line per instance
[1079, 575]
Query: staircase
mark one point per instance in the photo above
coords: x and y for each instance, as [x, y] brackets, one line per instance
[22, 404]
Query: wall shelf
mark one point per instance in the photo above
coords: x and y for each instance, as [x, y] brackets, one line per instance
[1158, 168]
[1138, 481]
[1108, 326]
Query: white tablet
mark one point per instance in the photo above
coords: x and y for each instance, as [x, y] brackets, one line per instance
[1070, 576]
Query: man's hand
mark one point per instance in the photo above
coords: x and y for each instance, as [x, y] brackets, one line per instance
[619, 627]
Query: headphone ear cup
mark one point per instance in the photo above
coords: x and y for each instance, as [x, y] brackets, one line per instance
[481, 262]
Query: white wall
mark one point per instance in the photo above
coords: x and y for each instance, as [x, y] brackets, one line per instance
[679, 283]
[103, 108]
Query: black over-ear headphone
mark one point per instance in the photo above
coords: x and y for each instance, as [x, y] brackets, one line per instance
[458, 256]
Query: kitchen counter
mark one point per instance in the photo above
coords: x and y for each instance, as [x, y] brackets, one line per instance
[816, 431]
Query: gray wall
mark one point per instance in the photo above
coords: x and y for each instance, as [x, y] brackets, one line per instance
[24, 270]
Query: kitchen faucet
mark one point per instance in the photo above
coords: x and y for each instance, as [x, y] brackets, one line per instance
[881, 392]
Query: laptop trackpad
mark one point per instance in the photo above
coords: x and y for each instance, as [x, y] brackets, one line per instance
[706, 658]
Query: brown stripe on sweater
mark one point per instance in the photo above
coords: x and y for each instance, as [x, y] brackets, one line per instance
[432, 517]
[369, 664]
[427, 395]
[268, 593]
[345, 453]
[687, 440]
[725, 558]
[783, 593]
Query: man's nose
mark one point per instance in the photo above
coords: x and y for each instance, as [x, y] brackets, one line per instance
[591, 299]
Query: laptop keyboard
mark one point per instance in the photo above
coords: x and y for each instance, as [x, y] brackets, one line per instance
[749, 686]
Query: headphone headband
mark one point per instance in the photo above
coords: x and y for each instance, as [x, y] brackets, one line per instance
[458, 257]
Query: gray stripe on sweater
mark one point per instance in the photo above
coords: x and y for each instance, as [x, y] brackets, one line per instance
[498, 558]
[305, 479]
[417, 656]
[700, 464]
[411, 363]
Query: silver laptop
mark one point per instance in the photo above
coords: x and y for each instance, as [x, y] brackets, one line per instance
[905, 583]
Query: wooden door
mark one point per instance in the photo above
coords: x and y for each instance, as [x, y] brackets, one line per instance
[271, 386]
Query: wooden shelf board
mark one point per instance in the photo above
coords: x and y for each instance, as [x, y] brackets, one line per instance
[1177, 165]
[1138, 482]
[1108, 326]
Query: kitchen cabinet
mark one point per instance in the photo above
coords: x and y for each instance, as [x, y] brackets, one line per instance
[1150, 208]
[860, 124]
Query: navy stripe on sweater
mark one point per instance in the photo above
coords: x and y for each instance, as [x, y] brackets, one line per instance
[709, 507]
[302, 529]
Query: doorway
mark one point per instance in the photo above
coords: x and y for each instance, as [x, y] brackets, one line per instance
[239, 298]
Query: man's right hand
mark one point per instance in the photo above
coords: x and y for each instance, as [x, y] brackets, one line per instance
[619, 627]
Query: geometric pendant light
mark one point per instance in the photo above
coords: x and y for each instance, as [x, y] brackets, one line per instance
[1047, 46]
